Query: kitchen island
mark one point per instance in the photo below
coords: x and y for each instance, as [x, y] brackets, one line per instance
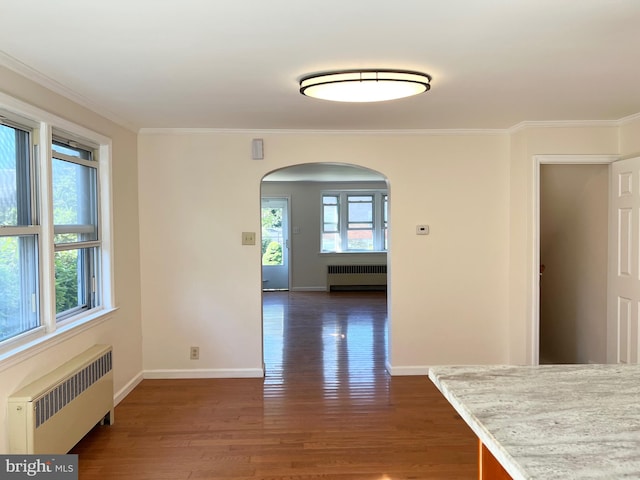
[552, 421]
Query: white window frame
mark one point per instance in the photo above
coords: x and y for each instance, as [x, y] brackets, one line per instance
[379, 224]
[43, 125]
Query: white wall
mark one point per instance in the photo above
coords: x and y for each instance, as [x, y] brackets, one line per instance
[200, 286]
[630, 137]
[308, 265]
[573, 247]
[123, 328]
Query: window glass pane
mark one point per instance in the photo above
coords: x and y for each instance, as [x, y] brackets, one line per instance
[330, 218]
[74, 202]
[384, 213]
[330, 242]
[272, 236]
[360, 239]
[74, 272]
[360, 213]
[18, 284]
[15, 191]
[71, 151]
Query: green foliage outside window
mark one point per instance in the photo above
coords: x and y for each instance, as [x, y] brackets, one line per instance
[273, 254]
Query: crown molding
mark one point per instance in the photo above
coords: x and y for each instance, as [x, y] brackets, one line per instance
[266, 132]
[562, 124]
[34, 75]
[629, 119]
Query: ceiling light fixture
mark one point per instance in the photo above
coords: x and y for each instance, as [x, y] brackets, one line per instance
[364, 85]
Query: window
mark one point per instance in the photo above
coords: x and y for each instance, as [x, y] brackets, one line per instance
[354, 221]
[54, 267]
[18, 234]
[74, 175]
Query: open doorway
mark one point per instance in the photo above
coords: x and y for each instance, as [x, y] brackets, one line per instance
[334, 215]
[275, 243]
[571, 333]
[573, 263]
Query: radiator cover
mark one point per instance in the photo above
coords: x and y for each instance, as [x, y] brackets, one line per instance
[356, 277]
[53, 413]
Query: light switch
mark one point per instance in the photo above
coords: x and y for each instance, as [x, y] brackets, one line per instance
[248, 238]
[422, 229]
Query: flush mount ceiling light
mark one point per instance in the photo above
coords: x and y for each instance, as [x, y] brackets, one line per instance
[364, 85]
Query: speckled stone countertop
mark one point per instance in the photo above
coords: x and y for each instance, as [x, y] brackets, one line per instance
[553, 421]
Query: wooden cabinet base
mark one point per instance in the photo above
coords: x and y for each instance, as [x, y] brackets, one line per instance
[488, 466]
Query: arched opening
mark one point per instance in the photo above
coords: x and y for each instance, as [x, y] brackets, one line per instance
[326, 225]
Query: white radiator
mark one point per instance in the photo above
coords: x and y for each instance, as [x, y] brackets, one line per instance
[356, 277]
[50, 415]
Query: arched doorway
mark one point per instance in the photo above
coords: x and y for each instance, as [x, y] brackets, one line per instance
[332, 214]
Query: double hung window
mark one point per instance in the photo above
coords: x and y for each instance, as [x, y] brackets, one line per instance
[52, 256]
[354, 221]
[74, 174]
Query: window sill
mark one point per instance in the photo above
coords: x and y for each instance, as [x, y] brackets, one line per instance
[64, 332]
[352, 253]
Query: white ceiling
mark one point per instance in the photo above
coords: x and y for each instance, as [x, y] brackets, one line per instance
[235, 64]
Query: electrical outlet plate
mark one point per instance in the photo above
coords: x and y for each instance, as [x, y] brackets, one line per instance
[194, 353]
[248, 238]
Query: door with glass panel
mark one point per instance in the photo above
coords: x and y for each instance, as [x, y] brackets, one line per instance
[275, 243]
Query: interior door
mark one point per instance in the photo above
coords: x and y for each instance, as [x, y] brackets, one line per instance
[275, 243]
[624, 262]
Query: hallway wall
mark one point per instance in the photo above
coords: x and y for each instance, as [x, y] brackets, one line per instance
[573, 249]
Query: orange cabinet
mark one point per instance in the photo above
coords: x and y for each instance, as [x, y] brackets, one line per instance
[488, 467]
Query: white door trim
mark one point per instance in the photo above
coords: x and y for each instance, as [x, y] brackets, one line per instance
[535, 257]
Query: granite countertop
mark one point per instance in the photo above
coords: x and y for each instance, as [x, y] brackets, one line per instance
[552, 421]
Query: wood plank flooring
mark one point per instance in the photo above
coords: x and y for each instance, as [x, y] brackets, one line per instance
[326, 410]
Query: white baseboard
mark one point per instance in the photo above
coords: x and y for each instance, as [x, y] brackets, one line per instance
[205, 373]
[407, 370]
[309, 289]
[127, 389]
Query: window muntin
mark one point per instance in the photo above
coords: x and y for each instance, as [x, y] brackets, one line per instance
[354, 221]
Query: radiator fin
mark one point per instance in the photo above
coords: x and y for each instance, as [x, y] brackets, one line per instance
[61, 395]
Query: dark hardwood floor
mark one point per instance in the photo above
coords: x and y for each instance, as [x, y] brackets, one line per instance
[326, 410]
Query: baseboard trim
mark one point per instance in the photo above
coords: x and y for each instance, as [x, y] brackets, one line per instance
[128, 388]
[408, 370]
[205, 373]
[309, 289]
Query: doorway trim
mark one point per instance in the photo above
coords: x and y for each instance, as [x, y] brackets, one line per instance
[535, 267]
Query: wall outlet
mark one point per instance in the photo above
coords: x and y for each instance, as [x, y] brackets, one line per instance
[194, 353]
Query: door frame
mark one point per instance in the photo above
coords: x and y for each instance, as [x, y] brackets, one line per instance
[535, 267]
[288, 233]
